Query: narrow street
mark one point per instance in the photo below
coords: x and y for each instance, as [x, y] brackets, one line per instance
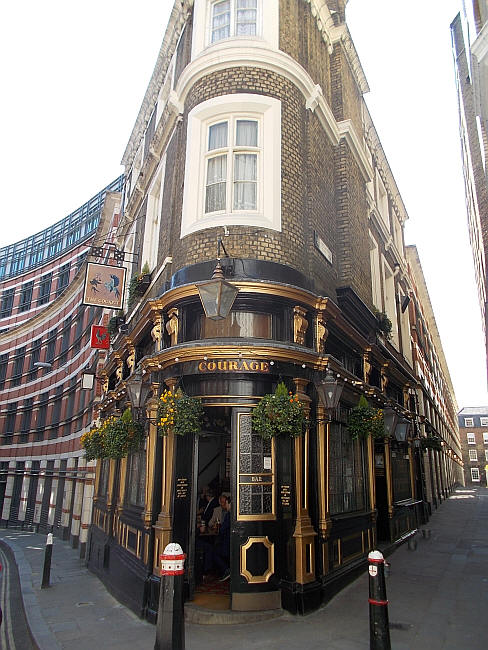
[14, 632]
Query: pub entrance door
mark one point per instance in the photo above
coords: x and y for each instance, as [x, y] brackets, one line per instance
[228, 458]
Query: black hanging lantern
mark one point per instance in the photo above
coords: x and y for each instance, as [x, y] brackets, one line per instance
[137, 389]
[390, 417]
[217, 295]
[329, 390]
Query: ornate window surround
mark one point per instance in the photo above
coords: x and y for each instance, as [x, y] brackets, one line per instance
[267, 111]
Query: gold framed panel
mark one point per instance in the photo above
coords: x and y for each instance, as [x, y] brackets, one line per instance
[253, 579]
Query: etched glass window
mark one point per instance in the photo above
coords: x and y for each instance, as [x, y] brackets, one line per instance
[256, 473]
[346, 468]
[136, 479]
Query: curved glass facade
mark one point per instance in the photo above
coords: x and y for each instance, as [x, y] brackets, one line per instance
[51, 242]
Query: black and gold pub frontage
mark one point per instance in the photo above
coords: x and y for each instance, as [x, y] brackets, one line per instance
[305, 510]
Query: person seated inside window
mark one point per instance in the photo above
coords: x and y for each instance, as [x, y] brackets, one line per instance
[218, 514]
[217, 555]
[211, 503]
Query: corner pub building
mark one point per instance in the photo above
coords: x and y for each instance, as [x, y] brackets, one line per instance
[254, 145]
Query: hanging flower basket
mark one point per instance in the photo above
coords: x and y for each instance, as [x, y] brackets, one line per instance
[279, 413]
[365, 420]
[93, 443]
[179, 413]
[123, 436]
[114, 438]
[431, 442]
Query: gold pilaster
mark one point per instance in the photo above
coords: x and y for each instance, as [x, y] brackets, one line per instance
[151, 444]
[122, 484]
[371, 478]
[412, 473]
[389, 483]
[304, 533]
[163, 526]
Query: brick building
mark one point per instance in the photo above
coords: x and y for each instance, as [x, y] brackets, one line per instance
[45, 482]
[473, 429]
[470, 39]
[254, 145]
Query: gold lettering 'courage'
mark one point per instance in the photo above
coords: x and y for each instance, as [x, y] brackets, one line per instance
[233, 365]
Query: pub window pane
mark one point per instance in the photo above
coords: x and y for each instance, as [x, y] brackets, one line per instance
[256, 478]
[346, 470]
[239, 324]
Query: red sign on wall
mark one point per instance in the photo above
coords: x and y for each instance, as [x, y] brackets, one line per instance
[100, 338]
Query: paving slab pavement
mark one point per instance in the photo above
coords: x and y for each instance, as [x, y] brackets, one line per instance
[438, 597]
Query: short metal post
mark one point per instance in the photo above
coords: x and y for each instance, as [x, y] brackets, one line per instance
[379, 631]
[48, 552]
[170, 624]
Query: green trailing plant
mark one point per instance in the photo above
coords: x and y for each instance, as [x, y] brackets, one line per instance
[124, 436]
[139, 284]
[431, 442]
[279, 413]
[179, 413]
[113, 438]
[384, 324]
[365, 420]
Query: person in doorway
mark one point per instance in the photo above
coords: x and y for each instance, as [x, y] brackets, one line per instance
[218, 514]
[217, 555]
[212, 502]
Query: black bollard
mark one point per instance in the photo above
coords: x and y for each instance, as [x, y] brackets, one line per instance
[48, 553]
[170, 624]
[379, 631]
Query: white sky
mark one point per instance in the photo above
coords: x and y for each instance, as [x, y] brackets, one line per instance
[74, 74]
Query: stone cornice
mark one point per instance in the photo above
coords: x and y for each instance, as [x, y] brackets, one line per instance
[177, 20]
[383, 166]
[259, 56]
[341, 35]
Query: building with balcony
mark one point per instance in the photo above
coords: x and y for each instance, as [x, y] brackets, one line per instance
[254, 153]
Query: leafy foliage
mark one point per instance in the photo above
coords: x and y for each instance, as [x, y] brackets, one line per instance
[279, 413]
[365, 420]
[114, 438]
[431, 442]
[384, 324]
[179, 413]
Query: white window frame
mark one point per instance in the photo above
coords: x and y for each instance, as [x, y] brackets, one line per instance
[469, 422]
[390, 301]
[153, 217]
[470, 437]
[473, 455]
[233, 16]
[486, 455]
[267, 28]
[230, 151]
[485, 438]
[475, 474]
[267, 112]
[374, 258]
[483, 422]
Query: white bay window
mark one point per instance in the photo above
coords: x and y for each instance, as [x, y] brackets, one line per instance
[232, 166]
[233, 163]
[233, 18]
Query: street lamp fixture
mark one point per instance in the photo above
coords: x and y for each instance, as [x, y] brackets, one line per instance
[329, 391]
[217, 296]
[390, 417]
[137, 389]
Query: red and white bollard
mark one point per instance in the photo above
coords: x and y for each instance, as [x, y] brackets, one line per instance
[170, 624]
[379, 630]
